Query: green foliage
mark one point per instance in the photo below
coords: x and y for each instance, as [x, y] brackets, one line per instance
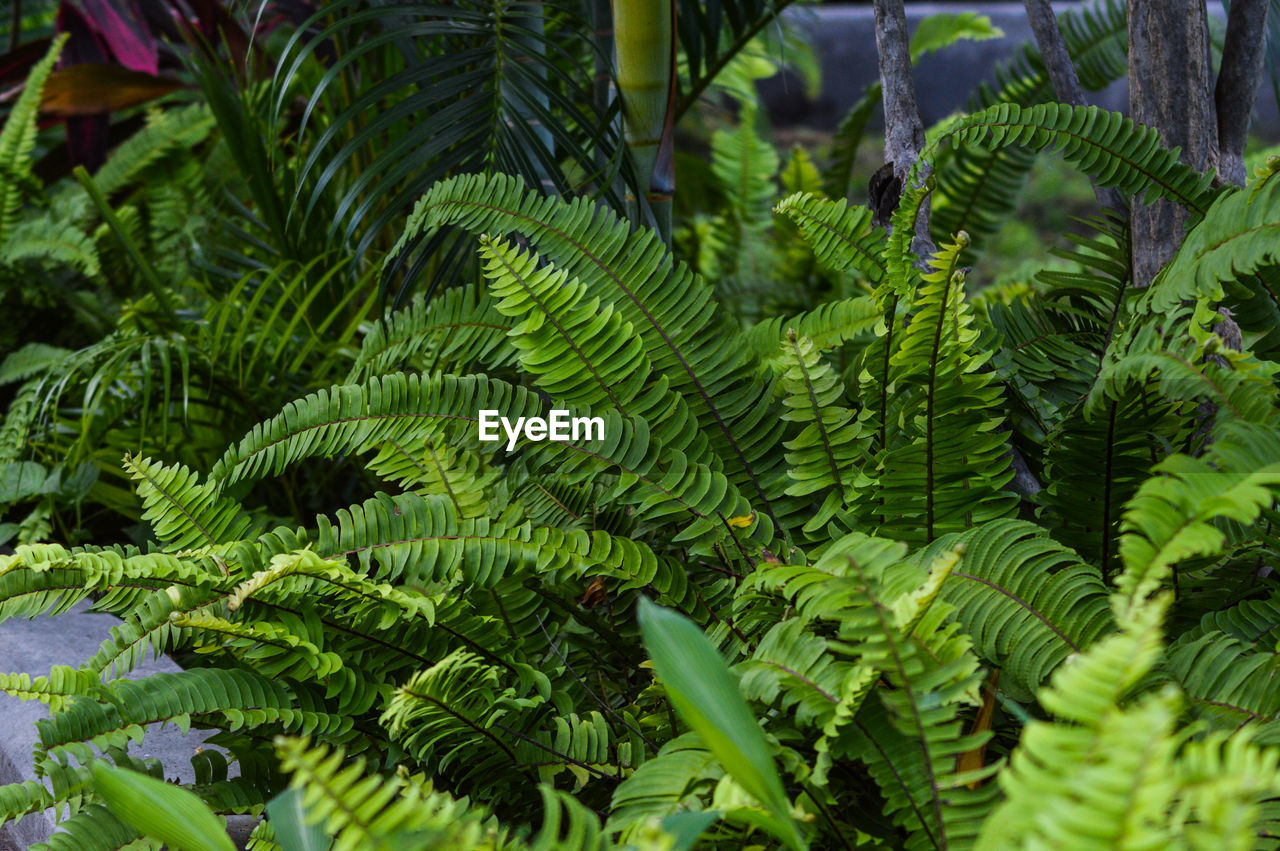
[945, 29]
[978, 188]
[18, 140]
[866, 554]
[159, 810]
[704, 693]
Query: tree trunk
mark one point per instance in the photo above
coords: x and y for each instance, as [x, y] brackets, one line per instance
[1237, 89]
[1063, 76]
[903, 129]
[1170, 88]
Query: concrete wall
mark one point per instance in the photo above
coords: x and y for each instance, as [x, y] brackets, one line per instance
[844, 37]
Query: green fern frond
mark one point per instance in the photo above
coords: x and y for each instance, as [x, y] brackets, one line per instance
[977, 189]
[827, 459]
[273, 650]
[61, 684]
[1028, 602]
[945, 463]
[828, 326]
[364, 810]
[119, 712]
[359, 418]
[687, 337]
[800, 174]
[745, 165]
[147, 629]
[1172, 517]
[1116, 764]
[1226, 782]
[431, 466]
[18, 420]
[581, 351]
[18, 139]
[94, 828]
[842, 237]
[455, 331]
[1236, 238]
[48, 240]
[457, 718]
[167, 131]
[911, 743]
[1227, 682]
[1108, 147]
[184, 513]
[30, 360]
[48, 577]
[567, 824]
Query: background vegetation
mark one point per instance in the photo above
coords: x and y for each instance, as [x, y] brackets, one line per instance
[920, 522]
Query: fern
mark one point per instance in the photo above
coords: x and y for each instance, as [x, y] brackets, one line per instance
[368, 811]
[828, 327]
[62, 243]
[1126, 764]
[184, 513]
[584, 355]
[459, 328]
[1235, 238]
[841, 236]
[1104, 145]
[978, 188]
[1171, 517]
[823, 457]
[945, 467]
[1028, 602]
[366, 595]
[359, 418]
[93, 829]
[18, 139]
[686, 337]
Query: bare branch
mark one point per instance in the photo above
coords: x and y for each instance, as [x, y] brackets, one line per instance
[1053, 49]
[1238, 79]
[903, 129]
[1063, 76]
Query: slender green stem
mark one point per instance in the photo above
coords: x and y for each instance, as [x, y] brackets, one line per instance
[109, 216]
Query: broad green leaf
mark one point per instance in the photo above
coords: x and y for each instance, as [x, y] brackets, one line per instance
[160, 810]
[708, 698]
[945, 29]
[288, 819]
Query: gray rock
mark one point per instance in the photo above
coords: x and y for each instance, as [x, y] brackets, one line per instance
[34, 647]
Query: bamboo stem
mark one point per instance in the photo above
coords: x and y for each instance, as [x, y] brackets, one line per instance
[644, 38]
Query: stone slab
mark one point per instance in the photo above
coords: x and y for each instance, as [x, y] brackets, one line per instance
[34, 647]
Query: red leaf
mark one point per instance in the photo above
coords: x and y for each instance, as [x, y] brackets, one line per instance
[120, 25]
[83, 45]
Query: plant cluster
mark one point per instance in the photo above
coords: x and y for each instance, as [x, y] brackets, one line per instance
[866, 556]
